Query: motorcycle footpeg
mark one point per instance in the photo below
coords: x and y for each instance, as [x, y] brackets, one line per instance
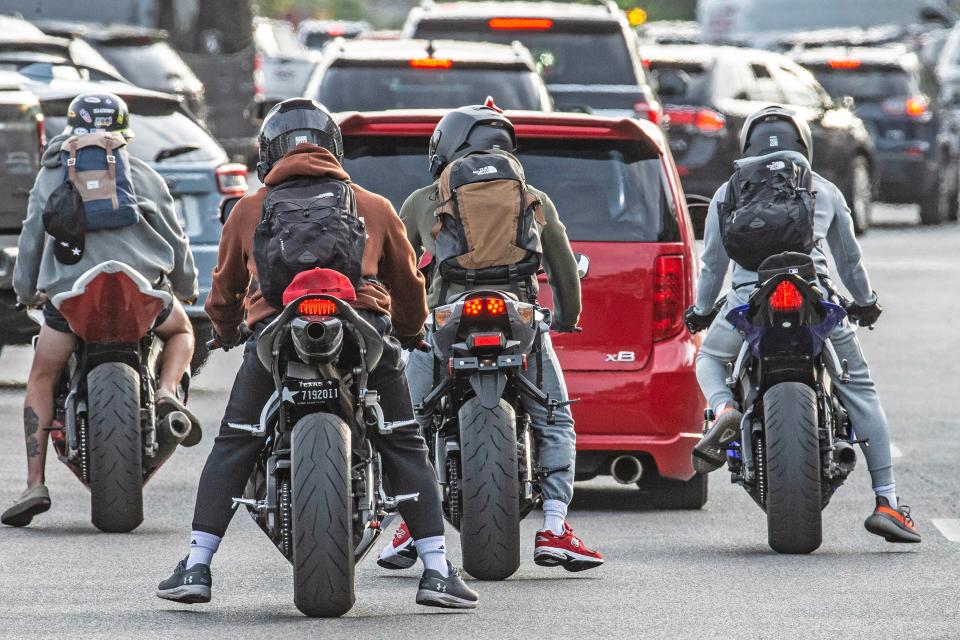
[387, 428]
[256, 505]
[392, 502]
[255, 430]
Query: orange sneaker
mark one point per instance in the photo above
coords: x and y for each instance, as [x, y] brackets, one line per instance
[894, 525]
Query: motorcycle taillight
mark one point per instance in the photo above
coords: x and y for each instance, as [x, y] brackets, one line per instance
[316, 307]
[786, 298]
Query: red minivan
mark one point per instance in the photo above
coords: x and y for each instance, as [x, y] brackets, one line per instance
[616, 188]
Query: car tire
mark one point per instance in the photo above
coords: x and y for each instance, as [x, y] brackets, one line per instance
[664, 493]
[934, 205]
[860, 195]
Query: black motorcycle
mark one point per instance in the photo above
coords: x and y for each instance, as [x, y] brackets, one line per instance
[105, 428]
[479, 435]
[317, 489]
[795, 447]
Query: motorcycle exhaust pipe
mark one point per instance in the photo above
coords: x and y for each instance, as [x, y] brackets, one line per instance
[845, 455]
[170, 433]
[626, 469]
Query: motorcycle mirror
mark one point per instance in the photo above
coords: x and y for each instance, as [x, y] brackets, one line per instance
[226, 207]
[583, 265]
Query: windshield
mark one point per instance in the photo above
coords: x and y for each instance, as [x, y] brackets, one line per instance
[378, 88]
[605, 191]
[154, 66]
[680, 82]
[790, 15]
[865, 85]
[561, 57]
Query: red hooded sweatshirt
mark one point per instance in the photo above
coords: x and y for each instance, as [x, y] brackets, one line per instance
[387, 256]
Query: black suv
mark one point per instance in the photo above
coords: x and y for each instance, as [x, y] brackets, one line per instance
[915, 134]
[373, 75]
[587, 54]
[707, 94]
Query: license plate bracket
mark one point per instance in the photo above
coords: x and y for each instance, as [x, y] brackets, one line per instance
[311, 393]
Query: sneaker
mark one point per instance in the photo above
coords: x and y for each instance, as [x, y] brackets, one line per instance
[566, 550]
[32, 502]
[401, 553]
[188, 586]
[709, 454]
[449, 592]
[894, 525]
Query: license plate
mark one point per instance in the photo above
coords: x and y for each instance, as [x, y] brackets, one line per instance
[304, 393]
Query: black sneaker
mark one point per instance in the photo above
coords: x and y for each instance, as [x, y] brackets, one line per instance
[189, 586]
[449, 592]
[893, 525]
[709, 454]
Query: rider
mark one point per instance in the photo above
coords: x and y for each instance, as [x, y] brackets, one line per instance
[461, 132]
[299, 138]
[769, 130]
[155, 246]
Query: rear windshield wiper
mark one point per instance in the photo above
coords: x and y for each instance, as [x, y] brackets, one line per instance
[173, 152]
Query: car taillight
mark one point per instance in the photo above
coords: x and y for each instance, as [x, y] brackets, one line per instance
[705, 120]
[258, 92]
[520, 24]
[786, 298]
[844, 63]
[431, 63]
[317, 307]
[647, 111]
[913, 107]
[232, 179]
[41, 133]
[668, 296]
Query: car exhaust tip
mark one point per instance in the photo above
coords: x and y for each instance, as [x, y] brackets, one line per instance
[626, 469]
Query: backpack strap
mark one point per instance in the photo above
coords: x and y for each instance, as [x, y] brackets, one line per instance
[112, 170]
[72, 160]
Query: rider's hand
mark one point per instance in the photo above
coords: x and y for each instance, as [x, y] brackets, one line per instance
[866, 315]
[696, 322]
[413, 343]
[219, 342]
[565, 328]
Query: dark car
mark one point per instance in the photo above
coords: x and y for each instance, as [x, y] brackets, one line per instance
[372, 75]
[707, 94]
[30, 52]
[586, 53]
[899, 99]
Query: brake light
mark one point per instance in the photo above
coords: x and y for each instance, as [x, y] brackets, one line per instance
[336, 32]
[477, 306]
[431, 63]
[705, 120]
[913, 107]
[232, 179]
[496, 306]
[668, 296]
[317, 307]
[786, 298]
[258, 78]
[41, 133]
[844, 63]
[486, 340]
[520, 24]
[473, 307]
[647, 111]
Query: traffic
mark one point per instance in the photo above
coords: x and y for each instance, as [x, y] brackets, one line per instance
[479, 306]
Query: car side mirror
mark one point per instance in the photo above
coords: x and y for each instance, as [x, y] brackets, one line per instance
[226, 207]
[583, 265]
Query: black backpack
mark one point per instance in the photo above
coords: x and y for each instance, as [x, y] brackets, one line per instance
[768, 209]
[307, 223]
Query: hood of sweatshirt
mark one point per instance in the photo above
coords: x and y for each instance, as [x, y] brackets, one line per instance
[306, 160]
[51, 155]
[797, 158]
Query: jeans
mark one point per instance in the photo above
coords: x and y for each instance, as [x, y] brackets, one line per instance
[557, 442]
[404, 453]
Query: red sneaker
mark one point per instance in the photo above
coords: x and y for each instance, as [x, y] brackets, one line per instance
[567, 551]
[401, 553]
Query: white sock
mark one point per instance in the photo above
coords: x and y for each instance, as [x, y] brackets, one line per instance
[888, 491]
[554, 515]
[202, 547]
[433, 553]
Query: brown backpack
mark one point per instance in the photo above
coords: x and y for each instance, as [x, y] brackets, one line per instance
[487, 228]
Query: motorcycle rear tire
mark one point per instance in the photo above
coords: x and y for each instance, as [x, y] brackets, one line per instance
[793, 468]
[322, 505]
[116, 450]
[490, 490]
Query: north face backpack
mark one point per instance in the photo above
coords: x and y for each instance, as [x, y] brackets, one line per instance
[768, 209]
[98, 166]
[306, 223]
[487, 228]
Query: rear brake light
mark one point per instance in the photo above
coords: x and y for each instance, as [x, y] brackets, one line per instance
[473, 307]
[706, 120]
[477, 306]
[336, 32]
[496, 306]
[668, 296]
[486, 340]
[844, 63]
[520, 24]
[647, 111]
[317, 307]
[258, 77]
[232, 179]
[786, 298]
[913, 107]
[431, 63]
[41, 133]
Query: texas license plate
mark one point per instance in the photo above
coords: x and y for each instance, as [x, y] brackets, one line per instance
[305, 393]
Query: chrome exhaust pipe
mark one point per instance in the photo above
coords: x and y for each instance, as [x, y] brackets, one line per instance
[626, 469]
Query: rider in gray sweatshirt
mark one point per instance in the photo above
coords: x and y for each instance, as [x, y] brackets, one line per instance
[770, 130]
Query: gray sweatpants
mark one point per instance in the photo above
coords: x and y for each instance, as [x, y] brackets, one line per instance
[557, 441]
[859, 395]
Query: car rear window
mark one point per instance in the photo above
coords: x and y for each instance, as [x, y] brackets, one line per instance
[350, 88]
[564, 54]
[604, 191]
[681, 82]
[154, 66]
[865, 84]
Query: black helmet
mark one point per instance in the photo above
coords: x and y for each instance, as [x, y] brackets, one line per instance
[468, 130]
[775, 128]
[96, 112]
[292, 122]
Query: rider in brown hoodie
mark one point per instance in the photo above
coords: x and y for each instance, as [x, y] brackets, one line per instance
[300, 139]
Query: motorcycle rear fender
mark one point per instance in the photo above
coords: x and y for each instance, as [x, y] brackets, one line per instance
[489, 387]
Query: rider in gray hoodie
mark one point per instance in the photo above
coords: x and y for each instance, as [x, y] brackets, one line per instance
[770, 130]
[155, 246]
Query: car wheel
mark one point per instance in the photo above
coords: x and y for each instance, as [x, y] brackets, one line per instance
[658, 492]
[933, 207]
[953, 208]
[860, 197]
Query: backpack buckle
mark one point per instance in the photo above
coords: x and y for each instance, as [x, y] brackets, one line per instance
[71, 162]
[111, 159]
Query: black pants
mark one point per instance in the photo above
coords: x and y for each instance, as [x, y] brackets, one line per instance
[234, 454]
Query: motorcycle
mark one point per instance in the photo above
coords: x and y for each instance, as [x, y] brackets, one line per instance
[317, 488]
[478, 433]
[105, 428]
[796, 443]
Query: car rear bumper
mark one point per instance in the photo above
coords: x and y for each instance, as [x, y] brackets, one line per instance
[904, 178]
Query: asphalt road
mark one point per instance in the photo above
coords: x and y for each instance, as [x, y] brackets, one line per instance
[706, 574]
